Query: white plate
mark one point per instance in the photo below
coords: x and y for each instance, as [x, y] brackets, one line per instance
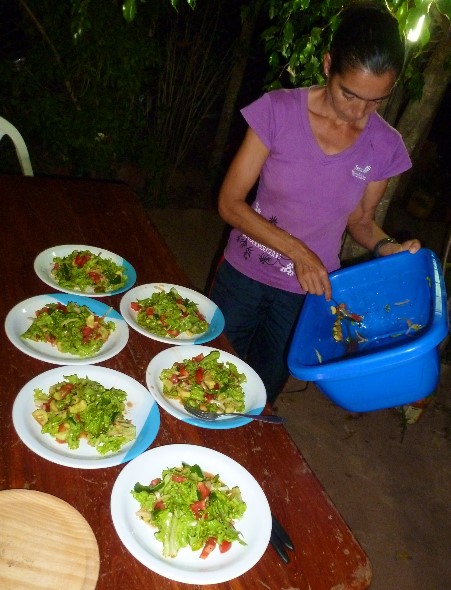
[20, 317]
[188, 567]
[43, 265]
[207, 308]
[254, 390]
[143, 412]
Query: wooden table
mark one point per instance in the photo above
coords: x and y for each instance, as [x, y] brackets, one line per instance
[37, 213]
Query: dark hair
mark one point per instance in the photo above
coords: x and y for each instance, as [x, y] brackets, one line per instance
[367, 38]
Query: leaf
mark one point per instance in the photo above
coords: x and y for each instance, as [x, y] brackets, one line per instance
[401, 15]
[315, 35]
[444, 6]
[288, 33]
[269, 33]
[274, 60]
[425, 35]
[413, 16]
[129, 10]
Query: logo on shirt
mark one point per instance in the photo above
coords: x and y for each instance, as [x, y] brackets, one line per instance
[360, 172]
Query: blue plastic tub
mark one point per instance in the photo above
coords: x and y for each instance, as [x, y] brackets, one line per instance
[394, 356]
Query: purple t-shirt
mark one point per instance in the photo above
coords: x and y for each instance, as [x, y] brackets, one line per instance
[304, 191]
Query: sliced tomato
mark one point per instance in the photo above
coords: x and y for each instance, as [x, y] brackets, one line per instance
[61, 307]
[135, 306]
[95, 277]
[149, 311]
[159, 505]
[224, 546]
[357, 318]
[208, 547]
[155, 482]
[198, 358]
[66, 389]
[174, 378]
[87, 333]
[80, 260]
[200, 372]
[183, 371]
[178, 478]
[203, 490]
[197, 508]
[209, 397]
[173, 332]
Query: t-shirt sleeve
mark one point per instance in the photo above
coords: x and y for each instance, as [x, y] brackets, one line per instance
[394, 158]
[259, 116]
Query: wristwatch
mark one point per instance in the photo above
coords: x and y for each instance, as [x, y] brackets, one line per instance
[381, 243]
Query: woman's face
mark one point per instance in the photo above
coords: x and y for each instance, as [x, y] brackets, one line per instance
[356, 93]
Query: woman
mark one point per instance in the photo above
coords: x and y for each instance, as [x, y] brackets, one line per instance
[323, 158]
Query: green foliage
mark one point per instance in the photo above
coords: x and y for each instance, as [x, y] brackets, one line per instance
[79, 95]
[444, 6]
[300, 31]
[130, 7]
[97, 91]
[296, 38]
[110, 82]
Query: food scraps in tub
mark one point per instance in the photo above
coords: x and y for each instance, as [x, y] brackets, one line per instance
[360, 338]
[412, 326]
[343, 313]
[337, 331]
[402, 302]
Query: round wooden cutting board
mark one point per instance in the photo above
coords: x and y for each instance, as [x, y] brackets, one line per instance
[45, 543]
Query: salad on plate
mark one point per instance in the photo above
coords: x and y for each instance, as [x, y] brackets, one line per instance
[82, 408]
[84, 271]
[206, 383]
[71, 327]
[191, 508]
[167, 313]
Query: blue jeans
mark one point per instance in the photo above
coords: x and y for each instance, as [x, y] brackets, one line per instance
[259, 321]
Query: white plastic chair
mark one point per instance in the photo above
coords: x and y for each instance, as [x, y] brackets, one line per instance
[22, 151]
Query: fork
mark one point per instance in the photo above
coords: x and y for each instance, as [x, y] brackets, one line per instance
[210, 416]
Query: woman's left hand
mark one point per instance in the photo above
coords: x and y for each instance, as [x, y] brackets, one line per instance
[393, 247]
[411, 246]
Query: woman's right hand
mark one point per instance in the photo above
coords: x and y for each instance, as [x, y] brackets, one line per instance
[312, 274]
